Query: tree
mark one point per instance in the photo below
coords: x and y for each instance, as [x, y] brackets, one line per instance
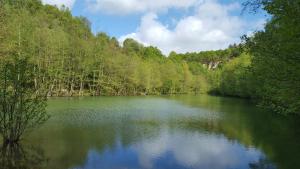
[152, 53]
[276, 59]
[2, 30]
[22, 103]
[132, 46]
[187, 78]
[70, 60]
[235, 78]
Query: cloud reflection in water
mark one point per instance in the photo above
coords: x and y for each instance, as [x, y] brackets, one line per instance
[176, 150]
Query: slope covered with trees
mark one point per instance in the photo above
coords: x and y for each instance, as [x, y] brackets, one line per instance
[270, 71]
[266, 67]
[72, 61]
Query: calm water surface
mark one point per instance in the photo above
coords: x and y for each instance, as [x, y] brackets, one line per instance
[174, 132]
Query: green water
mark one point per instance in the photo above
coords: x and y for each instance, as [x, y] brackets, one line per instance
[174, 132]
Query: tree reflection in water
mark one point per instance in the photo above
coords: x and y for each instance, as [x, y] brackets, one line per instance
[263, 163]
[14, 156]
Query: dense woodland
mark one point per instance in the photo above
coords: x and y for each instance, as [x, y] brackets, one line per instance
[71, 61]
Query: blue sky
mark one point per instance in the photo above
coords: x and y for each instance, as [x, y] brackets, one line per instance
[171, 25]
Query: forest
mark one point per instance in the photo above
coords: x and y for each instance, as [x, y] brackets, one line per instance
[69, 60]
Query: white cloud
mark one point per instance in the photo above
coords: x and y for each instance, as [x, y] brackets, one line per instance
[211, 27]
[67, 3]
[121, 7]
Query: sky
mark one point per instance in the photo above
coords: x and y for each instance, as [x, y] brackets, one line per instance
[171, 25]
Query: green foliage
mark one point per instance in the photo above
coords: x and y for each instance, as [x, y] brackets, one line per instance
[234, 78]
[22, 101]
[209, 58]
[153, 53]
[276, 61]
[3, 29]
[131, 46]
[74, 62]
[271, 74]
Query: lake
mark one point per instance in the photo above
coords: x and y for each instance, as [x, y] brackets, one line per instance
[169, 132]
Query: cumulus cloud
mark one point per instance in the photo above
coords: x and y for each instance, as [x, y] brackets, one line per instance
[121, 7]
[67, 3]
[211, 27]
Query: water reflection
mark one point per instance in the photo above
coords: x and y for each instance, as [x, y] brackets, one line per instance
[195, 150]
[262, 164]
[15, 156]
[175, 151]
[184, 132]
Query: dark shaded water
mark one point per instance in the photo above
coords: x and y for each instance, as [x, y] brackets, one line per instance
[178, 132]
